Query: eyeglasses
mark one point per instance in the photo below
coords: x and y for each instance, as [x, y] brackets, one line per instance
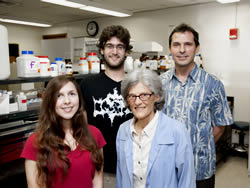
[119, 47]
[142, 97]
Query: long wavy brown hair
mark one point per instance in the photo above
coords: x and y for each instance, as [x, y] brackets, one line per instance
[52, 151]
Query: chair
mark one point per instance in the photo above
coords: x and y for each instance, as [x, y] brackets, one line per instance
[242, 127]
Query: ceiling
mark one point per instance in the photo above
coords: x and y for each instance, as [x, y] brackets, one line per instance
[37, 11]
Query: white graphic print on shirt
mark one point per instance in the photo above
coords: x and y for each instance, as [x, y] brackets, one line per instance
[112, 106]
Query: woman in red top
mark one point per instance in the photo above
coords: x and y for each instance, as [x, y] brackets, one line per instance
[64, 151]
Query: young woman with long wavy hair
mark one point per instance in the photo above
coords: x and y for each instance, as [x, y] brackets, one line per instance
[64, 151]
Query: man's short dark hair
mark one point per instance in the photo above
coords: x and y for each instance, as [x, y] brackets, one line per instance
[183, 28]
[115, 31]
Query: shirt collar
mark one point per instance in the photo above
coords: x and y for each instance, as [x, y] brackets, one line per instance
[193, 74]
[149, 130]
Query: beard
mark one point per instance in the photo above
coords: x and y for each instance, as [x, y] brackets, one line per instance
[114, 67]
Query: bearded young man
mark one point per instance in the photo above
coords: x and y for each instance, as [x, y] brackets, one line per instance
[101, 92]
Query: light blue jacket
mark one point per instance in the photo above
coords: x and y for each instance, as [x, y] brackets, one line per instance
[170, 163]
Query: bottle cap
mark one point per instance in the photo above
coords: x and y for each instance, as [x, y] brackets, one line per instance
[58, 59]
[24, 52]
[91, 53]
[39, 56]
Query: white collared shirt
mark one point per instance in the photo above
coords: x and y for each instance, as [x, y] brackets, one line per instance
[141, 149]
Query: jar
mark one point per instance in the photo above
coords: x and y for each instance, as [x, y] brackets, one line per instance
[68, 67]
[94, 63]
[155, 62]
[83, 66]
[44, 66]
[61, 66]
[53, 69]
[163, 63]
[28, 65]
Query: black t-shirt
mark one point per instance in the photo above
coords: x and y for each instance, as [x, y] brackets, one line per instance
[106, 111]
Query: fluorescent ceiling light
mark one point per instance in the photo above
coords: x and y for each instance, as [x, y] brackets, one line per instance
[64, 3]
[89, 6]
[228, 1]
[104, 11]
[24, 22]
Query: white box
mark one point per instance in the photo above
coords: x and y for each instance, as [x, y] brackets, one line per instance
[4, 104]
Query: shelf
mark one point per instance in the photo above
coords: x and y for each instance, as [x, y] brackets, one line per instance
[14, 116]
[35, 79]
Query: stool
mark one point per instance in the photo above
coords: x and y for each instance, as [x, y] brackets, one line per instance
[241, 126]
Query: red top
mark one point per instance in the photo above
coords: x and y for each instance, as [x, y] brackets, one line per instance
[81, 171]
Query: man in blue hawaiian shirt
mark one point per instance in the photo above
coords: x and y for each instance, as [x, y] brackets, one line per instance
[198, 100]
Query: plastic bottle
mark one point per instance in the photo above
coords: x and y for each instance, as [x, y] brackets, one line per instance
[4, 105]
[44, 66]
[171, 61]
[137, 64]
[61, 66]
[143, 60]
[53, 69]
[33, 66]
[28, 65]
[94, 63]
[128, 64]
[83, 66]
[22, 101]
[4, 53]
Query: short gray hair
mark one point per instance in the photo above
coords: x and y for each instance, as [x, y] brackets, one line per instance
[148, 78]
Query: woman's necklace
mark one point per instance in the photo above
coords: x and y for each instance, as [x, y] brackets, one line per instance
[71, 142]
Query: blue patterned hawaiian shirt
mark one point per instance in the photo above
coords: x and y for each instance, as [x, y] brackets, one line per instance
[199, 103]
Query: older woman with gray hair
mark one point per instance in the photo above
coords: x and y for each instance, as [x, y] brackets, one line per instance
[153, 150]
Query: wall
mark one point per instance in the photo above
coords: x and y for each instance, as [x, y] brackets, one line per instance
[27, 37]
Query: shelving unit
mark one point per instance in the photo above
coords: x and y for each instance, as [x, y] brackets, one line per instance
[34, 79]
[15, 127]
[29, 113]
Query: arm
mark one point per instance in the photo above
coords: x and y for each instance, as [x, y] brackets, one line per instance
[31, 173]
[218, 132]
[220, 111]
[98, 178]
